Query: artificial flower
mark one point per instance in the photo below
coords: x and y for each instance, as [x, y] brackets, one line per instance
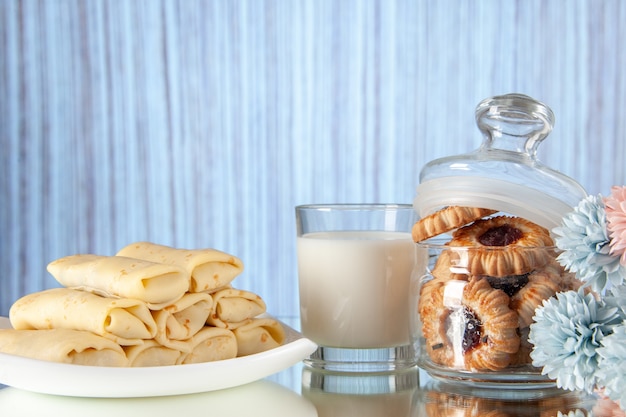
[583, 238]
[579, 337]
[605, 407]
[618, 292]
[612, 367]
[566, 334]
[616, 221]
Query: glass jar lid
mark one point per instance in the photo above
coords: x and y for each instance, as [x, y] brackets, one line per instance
[504, 173]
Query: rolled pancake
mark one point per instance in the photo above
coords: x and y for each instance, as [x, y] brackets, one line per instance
[210, 344]
[210, 269]
[151, 353]
[118, 276]
[182, 319]
[63, 345]
[233, 307]
[259, 335]
[122, 320]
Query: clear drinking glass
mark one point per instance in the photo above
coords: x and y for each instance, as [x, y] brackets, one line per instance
[354, 264]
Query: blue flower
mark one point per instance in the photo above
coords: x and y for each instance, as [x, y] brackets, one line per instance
[584, 240]
[612, 367]
[566, 334]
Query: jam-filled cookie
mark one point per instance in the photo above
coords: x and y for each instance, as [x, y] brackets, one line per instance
[541, 284]
[468, 325]
[492, 346]
[445, 220]
[568, 280]
[522, 357]
[433, 314]
[503, 245]
[445, 267]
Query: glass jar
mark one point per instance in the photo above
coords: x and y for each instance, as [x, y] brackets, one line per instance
[480, 274]
[504, 173]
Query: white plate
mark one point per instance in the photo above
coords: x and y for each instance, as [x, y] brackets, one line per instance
[261, 398]
[98, 381]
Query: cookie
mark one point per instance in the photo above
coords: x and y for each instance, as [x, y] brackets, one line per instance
[445, 267]
[433, 314]
[503, 245]
[468, 325]
[543, 283]
[445, 220]
[497, 339]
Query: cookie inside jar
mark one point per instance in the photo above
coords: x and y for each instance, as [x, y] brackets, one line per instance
[485, 276]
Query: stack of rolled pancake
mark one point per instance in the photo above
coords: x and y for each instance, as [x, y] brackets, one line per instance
[149, 305]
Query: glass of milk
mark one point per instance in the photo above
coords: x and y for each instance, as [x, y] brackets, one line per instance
[355, 263]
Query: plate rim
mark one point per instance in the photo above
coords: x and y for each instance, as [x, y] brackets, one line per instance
[96, 381]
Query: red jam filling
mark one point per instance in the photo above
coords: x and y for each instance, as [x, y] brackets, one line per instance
[473, 330]
[510, 284]
[500, 236]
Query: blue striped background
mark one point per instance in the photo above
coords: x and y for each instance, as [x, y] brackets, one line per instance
[202, 123]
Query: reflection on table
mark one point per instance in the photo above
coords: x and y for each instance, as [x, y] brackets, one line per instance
[445, 399]
[373, 395]
[415, 394]
[260, 398]
[301, 392]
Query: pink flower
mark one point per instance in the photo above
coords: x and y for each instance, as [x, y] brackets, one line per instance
[616, 221]
[605, 407]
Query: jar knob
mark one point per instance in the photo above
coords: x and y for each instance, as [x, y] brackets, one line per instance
[514, 122]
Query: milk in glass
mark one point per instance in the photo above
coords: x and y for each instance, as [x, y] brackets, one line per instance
[354, 287]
